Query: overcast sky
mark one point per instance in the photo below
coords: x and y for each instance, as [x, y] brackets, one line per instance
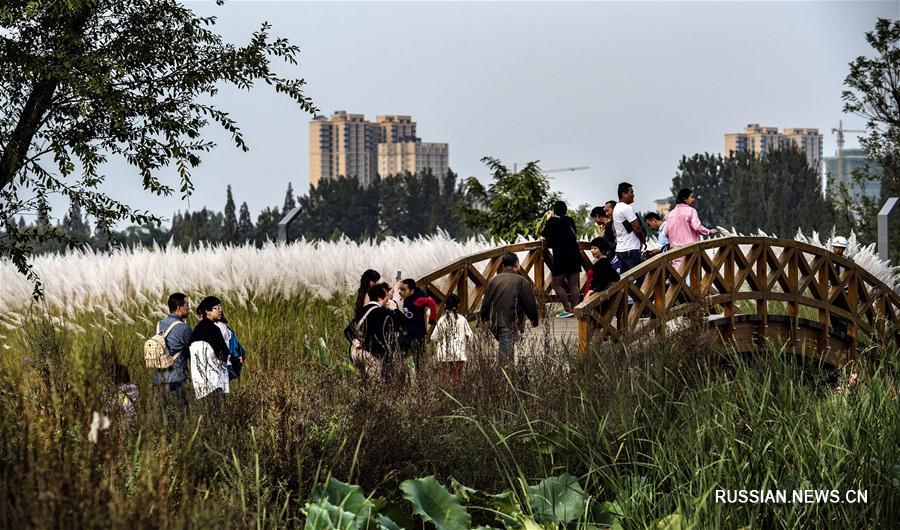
[624, 88]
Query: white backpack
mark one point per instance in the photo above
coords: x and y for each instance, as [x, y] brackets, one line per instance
[156, 353]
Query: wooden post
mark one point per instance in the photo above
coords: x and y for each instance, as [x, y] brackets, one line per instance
[585, 331]
[793, 281]
[696, 287]
[824, 314]
[853, 303]
[729, 284]
[539, 270]
[462, 287]
[659, 298]
[762, 303]
[880, 323]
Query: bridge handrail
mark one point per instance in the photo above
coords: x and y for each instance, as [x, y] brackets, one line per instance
[497, 252]
[667, 293]
[721, 242]
[823, 260]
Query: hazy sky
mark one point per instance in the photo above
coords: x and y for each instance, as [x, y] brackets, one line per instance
[625, 88]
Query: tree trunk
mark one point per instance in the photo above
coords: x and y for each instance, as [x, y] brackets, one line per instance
[38, 104]
[16, 149]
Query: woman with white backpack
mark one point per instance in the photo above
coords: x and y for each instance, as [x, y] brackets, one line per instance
[209, 351]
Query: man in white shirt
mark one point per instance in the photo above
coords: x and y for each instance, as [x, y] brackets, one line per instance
[630, 239]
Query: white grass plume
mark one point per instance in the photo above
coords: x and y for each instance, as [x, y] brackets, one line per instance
[110, 282]
[114, 283]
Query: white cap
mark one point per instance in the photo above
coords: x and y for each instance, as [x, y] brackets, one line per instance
[839, 241]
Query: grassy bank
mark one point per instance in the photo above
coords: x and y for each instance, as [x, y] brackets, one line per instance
[654, 429]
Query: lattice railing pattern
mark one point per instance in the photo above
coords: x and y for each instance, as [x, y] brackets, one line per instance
[719, 273]
[714, 276]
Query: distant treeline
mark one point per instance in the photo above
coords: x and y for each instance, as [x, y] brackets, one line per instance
[777, 192]
[398, 205]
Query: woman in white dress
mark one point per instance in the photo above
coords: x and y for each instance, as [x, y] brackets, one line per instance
[209, 351]
[453, 336]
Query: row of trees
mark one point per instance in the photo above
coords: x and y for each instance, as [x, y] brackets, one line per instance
[398, 205]
[777, 192]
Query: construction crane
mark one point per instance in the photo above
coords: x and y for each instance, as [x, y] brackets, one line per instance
[840, 135]
[561, 169]
[840, 130]
[556, 170]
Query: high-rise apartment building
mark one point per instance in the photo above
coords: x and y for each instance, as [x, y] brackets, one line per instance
[395, 129]
[761, 140]
[412, 157]
[343, 145]
[348, 145]
[754, 138]
[841, 167]
[809, 141]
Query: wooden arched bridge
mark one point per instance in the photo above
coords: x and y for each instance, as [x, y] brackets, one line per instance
[752, 289]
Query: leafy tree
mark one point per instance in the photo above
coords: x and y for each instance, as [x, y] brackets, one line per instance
[195, 227]
[587, 228]
[137, 79]
[397, 205]
[141, 236]
[446, 211]
[514, 204]
[873, 92]
[339, 207]
[267, 225]
[777, 192]
[230, 224]
[710, 177]
[48, 238]
[245, 230]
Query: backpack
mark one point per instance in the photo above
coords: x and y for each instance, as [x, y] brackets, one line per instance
[354, 331]
[156, 353]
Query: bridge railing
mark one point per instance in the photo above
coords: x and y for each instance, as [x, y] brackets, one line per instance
[735, 278]
[723, 272]
[468, 277]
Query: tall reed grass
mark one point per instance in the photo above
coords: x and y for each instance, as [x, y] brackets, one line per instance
[655, 428]
[122, 283]
[111, 283]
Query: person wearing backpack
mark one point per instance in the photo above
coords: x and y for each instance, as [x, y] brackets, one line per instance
[237, 353]
[177, 336]
[373, 335]
[209, 351]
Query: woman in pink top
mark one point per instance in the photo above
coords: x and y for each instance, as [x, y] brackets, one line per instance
[683, 225]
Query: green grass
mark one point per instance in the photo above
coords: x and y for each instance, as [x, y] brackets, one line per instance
[656, 427]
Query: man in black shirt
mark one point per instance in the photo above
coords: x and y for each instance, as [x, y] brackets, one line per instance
[561, 237]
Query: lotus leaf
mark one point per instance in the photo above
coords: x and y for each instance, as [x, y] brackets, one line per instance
[432, 502]
[556, 499]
